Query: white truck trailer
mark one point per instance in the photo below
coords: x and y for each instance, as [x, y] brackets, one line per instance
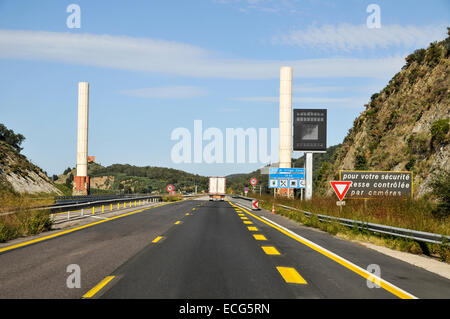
[217, 188]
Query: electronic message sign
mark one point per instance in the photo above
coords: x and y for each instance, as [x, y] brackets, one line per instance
[310, 130]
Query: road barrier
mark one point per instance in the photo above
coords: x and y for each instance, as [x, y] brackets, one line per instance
[376, 228]
[76, 211]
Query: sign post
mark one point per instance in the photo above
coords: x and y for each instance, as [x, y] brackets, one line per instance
[376, 184]
[310, 136]
[340, 188]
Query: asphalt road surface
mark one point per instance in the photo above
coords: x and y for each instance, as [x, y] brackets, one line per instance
[203, 249]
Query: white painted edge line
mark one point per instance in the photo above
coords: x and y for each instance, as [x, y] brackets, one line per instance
[337, 256]
[98, 217]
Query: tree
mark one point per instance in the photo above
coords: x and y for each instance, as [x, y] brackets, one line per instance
[11, 138]
[440, 186]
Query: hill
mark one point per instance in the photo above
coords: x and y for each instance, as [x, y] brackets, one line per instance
[17, 173]
[405, 126]
[127, 178]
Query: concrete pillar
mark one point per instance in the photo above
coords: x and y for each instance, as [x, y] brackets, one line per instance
[285, 121]
[81, 181]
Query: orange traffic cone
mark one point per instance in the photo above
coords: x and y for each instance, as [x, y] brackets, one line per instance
[273, 209]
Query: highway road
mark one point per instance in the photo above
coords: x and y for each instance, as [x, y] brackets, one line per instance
[202, 249]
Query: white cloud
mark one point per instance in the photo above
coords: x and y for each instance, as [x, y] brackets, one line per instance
[175, 58]
[317, 89]
[266, 6]
[353, 102]
[348, 37]
[168, 92]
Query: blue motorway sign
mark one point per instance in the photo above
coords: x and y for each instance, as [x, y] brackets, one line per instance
[287, 183]
[293, 170]
[287, 175]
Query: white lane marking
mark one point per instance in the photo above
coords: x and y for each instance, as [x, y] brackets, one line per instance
[98, 217]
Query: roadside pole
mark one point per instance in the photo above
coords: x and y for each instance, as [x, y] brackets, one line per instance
[309, 172]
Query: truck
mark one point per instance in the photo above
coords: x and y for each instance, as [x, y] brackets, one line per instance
[217, 187]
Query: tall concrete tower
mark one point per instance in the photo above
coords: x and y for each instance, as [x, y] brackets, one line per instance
[285, 120]
[81, 181]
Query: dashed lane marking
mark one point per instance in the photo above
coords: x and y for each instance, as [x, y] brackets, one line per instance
[259, 237]
[291, 276]
[98, 287]
[270, 250]
[157, 239]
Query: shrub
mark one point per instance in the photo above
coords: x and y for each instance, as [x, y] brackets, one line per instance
[360, 162]
[11, 138]
[417, 144]
[440, 186]
[410, 165]
[439, 131]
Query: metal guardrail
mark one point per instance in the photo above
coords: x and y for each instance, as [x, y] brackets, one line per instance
[63, 200]
[78, 211]
[376, 228]
[59, 208]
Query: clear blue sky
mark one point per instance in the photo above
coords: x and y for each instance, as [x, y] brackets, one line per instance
[154, 66]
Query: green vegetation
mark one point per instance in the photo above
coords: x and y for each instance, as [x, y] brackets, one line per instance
[394, 131]
[441, 190]
[24, 222]
[439, 131]
[147, 179]
[11, 138]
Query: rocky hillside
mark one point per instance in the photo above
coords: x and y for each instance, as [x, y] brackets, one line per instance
[18, 174]
[405, 127]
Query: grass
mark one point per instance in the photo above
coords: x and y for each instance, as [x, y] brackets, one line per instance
[414, 214]
[171, 198]
[25, 221]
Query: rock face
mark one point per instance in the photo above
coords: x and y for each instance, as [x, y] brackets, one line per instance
[20, 175]
[405, 126]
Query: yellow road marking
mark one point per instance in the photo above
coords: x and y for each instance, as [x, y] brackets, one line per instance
[247, 222]
[379, 281]
[250, 228]
[259, 237]
[157, 239]
[270, 250]
[187, 214]
[97, 288]
[37, 240]
[193, 208]
[290, 275]
[244, 218]
[176, 223]
[241, 214]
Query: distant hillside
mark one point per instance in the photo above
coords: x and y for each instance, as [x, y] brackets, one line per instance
[18, 174]
[405, 126]
[133, 179]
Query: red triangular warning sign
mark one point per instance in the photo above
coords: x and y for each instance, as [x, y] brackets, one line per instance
[341, 188]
